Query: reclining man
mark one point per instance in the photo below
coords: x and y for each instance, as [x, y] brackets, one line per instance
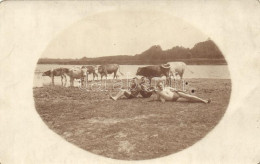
[171, 94]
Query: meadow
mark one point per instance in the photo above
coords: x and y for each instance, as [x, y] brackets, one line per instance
[131, 129]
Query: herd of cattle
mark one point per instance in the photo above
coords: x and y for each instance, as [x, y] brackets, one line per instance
[169, 69]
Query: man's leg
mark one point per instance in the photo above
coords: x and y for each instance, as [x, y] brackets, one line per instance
[119, 94]
[194, 98]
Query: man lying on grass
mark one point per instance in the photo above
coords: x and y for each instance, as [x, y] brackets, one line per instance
[135, 89]
[171, 94]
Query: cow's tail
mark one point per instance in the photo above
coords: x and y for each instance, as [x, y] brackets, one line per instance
[120, 71]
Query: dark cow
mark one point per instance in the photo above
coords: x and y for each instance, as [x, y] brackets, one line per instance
[57, 72]
[91, 69]
[154, 71]
[109, 69]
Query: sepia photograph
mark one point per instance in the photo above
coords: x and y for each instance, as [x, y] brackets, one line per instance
[132, 86]
[129, 81]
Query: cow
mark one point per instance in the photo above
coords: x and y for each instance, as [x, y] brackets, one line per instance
[154, 71]
[78, 73]
[103, 70]
[91, 70]
[57, 72]
[177, 68]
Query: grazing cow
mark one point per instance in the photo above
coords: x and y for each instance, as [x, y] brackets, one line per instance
[177, 68]
[78, 73]
[109, 69]
[91, 69]
[57, 72]
[154, 71]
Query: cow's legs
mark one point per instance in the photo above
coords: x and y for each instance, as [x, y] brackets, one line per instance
[86, 80]
[61, 78]
[71, 82]
[52, 77]
[96, 75]
[105, 75]
[65, 80]
[181, 75]
[114, 76]
[82, 80]
[52, 80]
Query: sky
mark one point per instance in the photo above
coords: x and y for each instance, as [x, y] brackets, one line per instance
[122, 33]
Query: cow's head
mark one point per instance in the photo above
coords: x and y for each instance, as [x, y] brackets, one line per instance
[85, 72]
[165, 69]
[84, 67]
[66, 70]
[138, 72]
[100, 69]
[47, 73]
[95, 68]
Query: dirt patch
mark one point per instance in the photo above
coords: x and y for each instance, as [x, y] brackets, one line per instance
[107, 121]
[125, 147]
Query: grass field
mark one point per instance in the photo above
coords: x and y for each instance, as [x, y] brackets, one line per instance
[131, 129]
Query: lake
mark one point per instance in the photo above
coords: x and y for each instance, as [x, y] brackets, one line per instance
[198, 71]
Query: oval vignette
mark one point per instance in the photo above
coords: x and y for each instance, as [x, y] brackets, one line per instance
[137, 128]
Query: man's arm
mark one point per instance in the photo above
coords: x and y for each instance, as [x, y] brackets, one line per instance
[162, 99]
[172, 89]
[159, 98]
[175, 90]
[147, 89]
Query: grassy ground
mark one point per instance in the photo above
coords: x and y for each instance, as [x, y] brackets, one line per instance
[134, 129]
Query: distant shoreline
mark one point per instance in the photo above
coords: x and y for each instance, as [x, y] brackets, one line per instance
[187, 61]
[203, 53]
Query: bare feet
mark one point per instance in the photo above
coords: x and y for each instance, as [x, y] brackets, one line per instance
[209, 100]
[112, 97]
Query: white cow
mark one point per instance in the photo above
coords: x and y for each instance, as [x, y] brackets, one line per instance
[78, 73]
[177, 68]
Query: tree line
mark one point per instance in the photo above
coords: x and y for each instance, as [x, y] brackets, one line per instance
[205, 52]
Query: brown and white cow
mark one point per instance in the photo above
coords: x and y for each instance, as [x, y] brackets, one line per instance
[91, 69]
[57, 72]
[78, 73]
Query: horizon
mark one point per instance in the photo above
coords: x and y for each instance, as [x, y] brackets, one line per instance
[124, 55]
[122, 33]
